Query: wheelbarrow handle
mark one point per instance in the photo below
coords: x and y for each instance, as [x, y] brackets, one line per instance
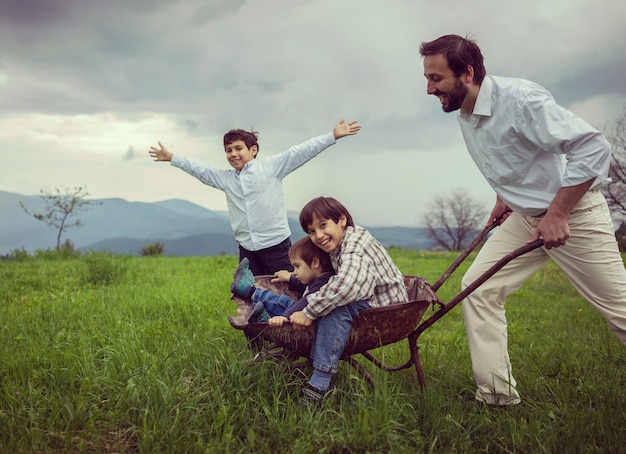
[481, 236]
[495, 268]
[477, 283]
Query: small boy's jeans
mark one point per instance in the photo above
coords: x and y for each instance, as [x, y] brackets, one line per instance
[275, 304]
[332, 334]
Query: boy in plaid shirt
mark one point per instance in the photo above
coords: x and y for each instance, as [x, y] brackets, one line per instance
[366, 277]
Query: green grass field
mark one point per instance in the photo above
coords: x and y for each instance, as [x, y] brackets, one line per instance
[126, 354]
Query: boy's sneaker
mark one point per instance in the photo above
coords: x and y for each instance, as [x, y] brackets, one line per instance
[243, 279]
[311, 394]
[258, 314]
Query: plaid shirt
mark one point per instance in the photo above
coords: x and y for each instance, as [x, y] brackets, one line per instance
[365, 272]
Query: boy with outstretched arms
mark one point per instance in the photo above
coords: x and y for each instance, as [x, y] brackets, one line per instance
[254, 194]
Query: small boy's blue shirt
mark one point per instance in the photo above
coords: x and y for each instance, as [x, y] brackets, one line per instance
[254, 195]
[313, 287]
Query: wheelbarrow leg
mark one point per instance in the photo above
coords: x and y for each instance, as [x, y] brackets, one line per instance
[415, 358]
[354, 363]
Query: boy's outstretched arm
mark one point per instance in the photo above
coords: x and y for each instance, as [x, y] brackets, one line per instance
[346, 129]
[160, 153]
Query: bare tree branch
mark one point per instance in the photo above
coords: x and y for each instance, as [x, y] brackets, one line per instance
[452, 219]
[60, 206]
[615, 192]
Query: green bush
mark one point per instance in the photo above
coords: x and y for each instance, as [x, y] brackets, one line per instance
[152, 249]
[103, 268]
[19, 255]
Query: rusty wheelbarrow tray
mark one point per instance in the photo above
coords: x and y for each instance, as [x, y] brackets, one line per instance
[375, 327]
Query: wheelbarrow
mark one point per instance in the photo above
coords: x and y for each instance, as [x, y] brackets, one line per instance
[374, 327]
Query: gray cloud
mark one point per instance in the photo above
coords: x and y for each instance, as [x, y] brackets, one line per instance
[604, 77]
[289, 68]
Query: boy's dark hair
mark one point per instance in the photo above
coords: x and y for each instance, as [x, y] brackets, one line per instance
[459, 52]
[323, 208]
[307, 251]
[247, 137]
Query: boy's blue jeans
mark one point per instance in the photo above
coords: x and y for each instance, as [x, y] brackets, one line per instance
[274, 304]
[332, 334]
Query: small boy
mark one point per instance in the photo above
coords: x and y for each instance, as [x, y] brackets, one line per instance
[256, 203]
[366, 277]
[312, 270]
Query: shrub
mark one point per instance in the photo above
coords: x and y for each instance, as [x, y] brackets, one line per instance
[152, 249]
[19, 255]
[103, 268]
[67, 245]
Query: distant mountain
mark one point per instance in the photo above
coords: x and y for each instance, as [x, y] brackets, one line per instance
[193, 245]
[402, 237]
[184, 228]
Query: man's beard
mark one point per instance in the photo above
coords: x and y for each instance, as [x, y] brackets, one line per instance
[455, 97]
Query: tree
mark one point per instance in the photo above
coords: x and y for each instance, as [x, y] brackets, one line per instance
[615, 192]
[60, 206]
[453, 219]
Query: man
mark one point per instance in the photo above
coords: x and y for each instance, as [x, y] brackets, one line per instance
[546, 166]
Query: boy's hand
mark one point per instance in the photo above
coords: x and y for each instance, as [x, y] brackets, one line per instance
[161, 153]
[300, 321]
[345, 129]
[279, 320]
[281, 276]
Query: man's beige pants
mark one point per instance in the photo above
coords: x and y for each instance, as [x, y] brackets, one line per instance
[591, 261]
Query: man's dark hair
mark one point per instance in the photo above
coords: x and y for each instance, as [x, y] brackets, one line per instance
[323, 208]
[307, 251]
[247, 137]
[459, 52]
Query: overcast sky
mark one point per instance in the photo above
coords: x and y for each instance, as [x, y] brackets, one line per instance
[86, 87]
